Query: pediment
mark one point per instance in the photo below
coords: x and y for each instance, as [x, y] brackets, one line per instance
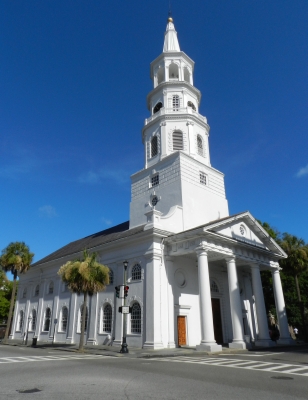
[245, 228]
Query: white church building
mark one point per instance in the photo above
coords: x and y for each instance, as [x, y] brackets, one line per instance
[194, 270]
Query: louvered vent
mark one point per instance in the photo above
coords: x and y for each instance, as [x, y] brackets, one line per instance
[177, 141]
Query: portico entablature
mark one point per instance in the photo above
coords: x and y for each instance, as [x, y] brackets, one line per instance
[219, 250]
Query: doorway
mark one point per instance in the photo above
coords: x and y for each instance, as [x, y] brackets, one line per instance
[217, 321]
[181, 330]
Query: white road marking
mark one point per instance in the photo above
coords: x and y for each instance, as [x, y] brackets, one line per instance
[9, 360]
[279, 368]
[254, 355]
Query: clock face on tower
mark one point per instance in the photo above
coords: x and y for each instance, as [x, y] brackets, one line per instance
[154, 201]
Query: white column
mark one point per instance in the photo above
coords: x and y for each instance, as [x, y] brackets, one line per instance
[208, 342]
[40, 310]
[169, 270]
[15, 318]
[236, 306]
[73, 314]
[92, 322]
[263, 334]
[152, 317]
[285, 337]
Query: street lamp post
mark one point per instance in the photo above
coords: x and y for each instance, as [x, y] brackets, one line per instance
[124, 348]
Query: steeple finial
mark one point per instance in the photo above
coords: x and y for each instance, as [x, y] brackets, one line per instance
[171, 42]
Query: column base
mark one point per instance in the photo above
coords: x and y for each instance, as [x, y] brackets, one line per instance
[92, 341]
[153, 345]
[286, 341]
[265, 343]
[237, 345]
[171, 345]
[210, 347]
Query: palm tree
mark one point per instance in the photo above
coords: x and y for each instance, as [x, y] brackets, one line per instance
[85, 276]
[295, 264]
[16, 257]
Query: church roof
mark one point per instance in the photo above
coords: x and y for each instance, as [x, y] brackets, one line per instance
[89, 242]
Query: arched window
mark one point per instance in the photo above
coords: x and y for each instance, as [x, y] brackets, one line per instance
[50, 288]
[157, 107]
[107, 318]
[214, 287]
[47, 320]
[37, 290]
[177, 140]
[80, 318]
[110, 277]
[135, 318]
[186, 75]
[191, 104]
[64, 316]
[173, 72]
[21, 320]
[160, 75]
[136, 272]
[154, 146]
[175, 102]
[200, 145]
[33, 320]
[24, 293]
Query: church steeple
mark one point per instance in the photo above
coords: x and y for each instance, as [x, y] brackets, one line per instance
[171, 42]
[177, 189]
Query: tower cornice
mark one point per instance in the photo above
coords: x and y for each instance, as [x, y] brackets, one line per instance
[176, 116]
[170, 84]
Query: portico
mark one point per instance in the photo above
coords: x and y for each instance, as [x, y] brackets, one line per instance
[239, 263]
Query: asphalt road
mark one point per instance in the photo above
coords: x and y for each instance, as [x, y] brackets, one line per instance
[27, 373]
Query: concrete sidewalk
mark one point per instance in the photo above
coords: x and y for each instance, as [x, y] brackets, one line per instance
[114, 351]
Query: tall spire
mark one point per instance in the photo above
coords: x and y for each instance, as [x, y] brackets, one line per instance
[171, 42]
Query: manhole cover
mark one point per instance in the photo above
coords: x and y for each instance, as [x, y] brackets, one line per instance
[35, 390]
[286, 378]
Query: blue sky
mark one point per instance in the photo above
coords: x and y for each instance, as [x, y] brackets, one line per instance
[74, 76]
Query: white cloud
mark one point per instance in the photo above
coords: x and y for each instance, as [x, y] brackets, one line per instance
[107, 221]
[47, 212]
[93, 178]
[303, 171]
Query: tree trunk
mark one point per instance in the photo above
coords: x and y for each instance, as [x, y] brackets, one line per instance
[9, 318]
[83, 321]
[297, 288]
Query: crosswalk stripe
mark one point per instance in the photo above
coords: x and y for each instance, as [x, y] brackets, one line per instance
[7, 360]
[249, 365]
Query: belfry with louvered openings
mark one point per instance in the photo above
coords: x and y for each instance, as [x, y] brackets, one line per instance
[194, 270]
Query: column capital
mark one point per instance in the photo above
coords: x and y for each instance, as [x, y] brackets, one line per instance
[255, 266]
[230, 258]
[202, 249]
[276, 270]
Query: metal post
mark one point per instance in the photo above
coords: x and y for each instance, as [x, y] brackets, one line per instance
[124, 348]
